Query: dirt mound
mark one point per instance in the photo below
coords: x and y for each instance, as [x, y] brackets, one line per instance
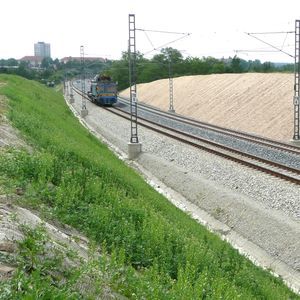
[253, 102]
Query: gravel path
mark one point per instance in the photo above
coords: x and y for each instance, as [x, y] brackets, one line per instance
[257, 213]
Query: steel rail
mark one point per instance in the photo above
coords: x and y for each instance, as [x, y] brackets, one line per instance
[184, 136]
[210, 150]
[215, 128]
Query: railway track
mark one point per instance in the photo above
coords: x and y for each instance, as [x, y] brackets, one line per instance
[241, 135]
[229, 144]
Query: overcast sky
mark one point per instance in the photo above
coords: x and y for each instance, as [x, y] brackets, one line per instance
[217, 27]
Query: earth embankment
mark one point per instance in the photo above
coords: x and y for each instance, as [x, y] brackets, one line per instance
[259, 103]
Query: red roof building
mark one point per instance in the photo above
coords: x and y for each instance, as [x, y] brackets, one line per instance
[33, 61]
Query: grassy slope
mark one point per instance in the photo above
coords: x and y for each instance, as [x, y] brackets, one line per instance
[158, 251]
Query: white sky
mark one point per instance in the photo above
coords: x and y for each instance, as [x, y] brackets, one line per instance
[217, 26]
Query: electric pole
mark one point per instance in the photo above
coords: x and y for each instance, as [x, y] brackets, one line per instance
[134, 147]
[171, 104]
[84, 110]
[296, 81]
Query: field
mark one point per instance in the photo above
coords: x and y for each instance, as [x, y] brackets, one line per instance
[252, 102]
[149, 248]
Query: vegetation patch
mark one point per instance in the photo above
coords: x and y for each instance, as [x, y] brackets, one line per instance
[152, 250]
[47, 271]
[3, 107]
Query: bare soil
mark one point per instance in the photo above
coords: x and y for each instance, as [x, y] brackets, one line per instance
[258, 103]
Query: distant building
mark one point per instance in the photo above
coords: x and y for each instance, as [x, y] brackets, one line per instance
[64, 60]
[32, 61]
[42, 49]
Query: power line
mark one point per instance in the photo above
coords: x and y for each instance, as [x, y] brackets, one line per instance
[272, 32]
[183, 35]
[272, 46]
[164, 32]
[161, 31]
[164, 45]
[254, 50]
[284, 41]
[149, 39]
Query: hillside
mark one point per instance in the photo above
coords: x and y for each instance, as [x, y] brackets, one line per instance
[252, 102]
[139, 245]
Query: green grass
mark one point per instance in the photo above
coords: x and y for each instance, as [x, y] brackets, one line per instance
[151, 250]
[44, 272]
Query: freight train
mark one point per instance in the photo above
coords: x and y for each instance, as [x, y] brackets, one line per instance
[103, 90]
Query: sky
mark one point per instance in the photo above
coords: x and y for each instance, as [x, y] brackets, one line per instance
[217, 27]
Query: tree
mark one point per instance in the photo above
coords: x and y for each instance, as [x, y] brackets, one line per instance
[267, 67]
[12, 62]
[119, 71]
[47, 62]
[57, 64]
[24, 71]
[255, 66]
[236, 65]
[173, 54]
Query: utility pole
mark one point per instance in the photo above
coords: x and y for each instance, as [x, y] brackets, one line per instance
[65, 81]
[84, 110]
[71, 93]
[296, 99]
[134, 147]
[132, 79]
[296, 81]
[171, 104]
[67, 88]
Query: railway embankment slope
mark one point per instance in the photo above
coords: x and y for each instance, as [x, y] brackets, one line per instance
[147, 248]
[259, 103]
[256, 211]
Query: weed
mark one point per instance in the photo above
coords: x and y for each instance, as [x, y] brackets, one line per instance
[149, 248]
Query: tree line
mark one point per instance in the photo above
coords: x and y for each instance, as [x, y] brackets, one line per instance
[169, 62]
[52, 70]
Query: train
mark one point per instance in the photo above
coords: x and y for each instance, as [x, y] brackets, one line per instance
[103, 91]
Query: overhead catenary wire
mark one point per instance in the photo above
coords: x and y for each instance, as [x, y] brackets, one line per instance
[286, 35]
[166, 44]
[164, 32]
[183, 35]
[254, 50]
[272, 46]
[149, 40]
[272, 32]
[265, 49]
[161, 31]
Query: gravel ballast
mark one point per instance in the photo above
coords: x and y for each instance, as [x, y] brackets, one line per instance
[258, 150]
[256, 213]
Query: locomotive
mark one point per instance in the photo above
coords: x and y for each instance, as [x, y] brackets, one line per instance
[103, 90]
